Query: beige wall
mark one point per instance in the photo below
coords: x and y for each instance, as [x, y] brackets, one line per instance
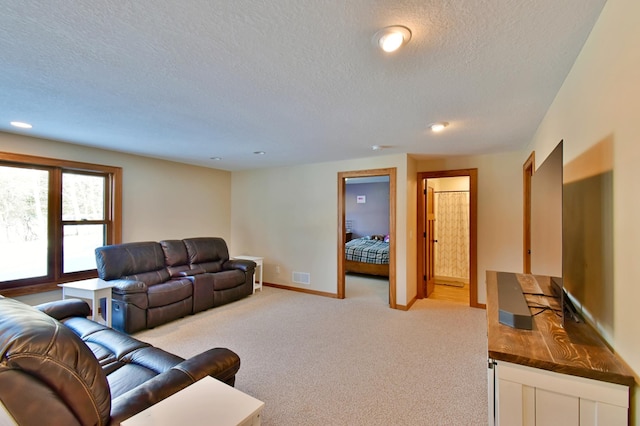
[161, 199]
[499, 209]
[289, 215]
[600, 101]
[460, 183]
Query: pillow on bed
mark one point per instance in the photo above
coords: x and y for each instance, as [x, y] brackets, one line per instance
[386, 238]
[377, 237]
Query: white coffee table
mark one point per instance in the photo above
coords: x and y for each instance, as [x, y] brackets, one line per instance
[257, 285]
[92, 289]
[206, 402]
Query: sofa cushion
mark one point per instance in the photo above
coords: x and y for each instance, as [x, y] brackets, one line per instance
[128, 259]
[138, 366]
[175, 256]
[150, 278]
[107, 345]
[39, 346]
[169, 292]
[208, 253]
[228, 279]
[175, 252]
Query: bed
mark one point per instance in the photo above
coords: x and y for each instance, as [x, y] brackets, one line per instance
[367, 256]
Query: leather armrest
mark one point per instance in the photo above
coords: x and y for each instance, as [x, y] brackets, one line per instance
[128, 286]
[66, 308]
[219, 363]
[214, 362]
[191, 272]
[242, 264]
[147, 394]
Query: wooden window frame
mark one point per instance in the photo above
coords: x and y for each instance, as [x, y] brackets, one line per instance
[113, 218]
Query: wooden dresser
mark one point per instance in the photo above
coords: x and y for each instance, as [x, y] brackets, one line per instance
[551, 375]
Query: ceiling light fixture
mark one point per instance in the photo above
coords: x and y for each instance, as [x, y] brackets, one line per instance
[377, 147]
[438, 127]
[216, 158]
[21, 124]
[259, 152]
[392, 38]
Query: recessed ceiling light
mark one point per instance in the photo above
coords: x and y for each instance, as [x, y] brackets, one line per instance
[21, 124]
[377, 147]
[392, 38]
[438, 127]
[259, 152]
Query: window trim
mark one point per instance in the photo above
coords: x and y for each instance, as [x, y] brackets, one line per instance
[114, 212]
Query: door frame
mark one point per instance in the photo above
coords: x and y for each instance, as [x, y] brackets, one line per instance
[528, 170]
[428, 260]
[391, 172]
[473, 230]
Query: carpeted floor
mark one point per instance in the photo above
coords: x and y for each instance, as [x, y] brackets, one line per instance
[319, 361]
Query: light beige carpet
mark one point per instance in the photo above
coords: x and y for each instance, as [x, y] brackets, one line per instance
[319, 361]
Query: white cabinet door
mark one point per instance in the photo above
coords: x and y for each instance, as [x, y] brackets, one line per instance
[529, 396]
[556, 409]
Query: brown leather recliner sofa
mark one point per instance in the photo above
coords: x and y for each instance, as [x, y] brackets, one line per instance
[158, 282]
[60, 368]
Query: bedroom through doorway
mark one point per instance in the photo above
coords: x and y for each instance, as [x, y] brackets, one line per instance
[366, 235]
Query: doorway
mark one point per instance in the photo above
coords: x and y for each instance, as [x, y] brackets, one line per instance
[426, 230]
[448, 238]
[342, 227]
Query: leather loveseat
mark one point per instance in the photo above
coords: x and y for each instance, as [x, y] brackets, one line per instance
[158, 282]
[60, 368]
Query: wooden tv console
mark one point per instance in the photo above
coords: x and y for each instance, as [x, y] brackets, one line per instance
[551, 374]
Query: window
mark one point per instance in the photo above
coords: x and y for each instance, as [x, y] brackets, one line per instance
[53, 214]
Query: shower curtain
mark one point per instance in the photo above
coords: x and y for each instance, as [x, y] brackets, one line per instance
[452, 233]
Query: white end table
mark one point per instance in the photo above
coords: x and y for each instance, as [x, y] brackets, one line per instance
[256, 284]
[207, 401]
[92, 289]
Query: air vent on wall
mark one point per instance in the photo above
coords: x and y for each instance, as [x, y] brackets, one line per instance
[301, 278]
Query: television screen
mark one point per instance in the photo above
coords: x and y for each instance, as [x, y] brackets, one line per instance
[587, 234]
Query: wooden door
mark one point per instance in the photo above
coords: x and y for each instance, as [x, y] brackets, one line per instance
[431, 222]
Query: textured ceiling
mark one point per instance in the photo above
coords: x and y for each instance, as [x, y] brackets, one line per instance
[300, 80]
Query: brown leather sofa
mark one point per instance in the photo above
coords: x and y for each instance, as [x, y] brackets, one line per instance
[60, 368]
[158, 282]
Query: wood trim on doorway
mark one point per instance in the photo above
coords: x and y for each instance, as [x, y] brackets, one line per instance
[473, 230]
[528, 169]
[391, 172]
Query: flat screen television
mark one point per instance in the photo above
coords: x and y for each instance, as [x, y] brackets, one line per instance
[572, 231]
[587, 234]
